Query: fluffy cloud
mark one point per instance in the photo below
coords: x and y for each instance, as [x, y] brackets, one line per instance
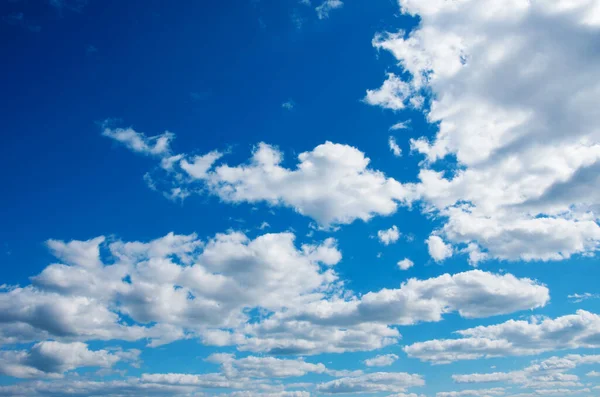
[391, 95]
[516, 109]
[52, 359]
[381, 361]
[353, 190]
[325, 7]
[405, 264]
[545, 374]
[513, 338]
[179, 284]
[438, 250]
[388, 236]
[138, 142]
[372, 383]
[473, 294]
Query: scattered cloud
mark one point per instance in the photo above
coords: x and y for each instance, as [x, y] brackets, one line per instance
[513, 338]
[396, 150]
[405, 264]
[577, 298]
[389, 236]
[327, 6]
[438, 250]
[384, 360]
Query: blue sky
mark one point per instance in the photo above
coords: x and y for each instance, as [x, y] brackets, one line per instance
[300, 198]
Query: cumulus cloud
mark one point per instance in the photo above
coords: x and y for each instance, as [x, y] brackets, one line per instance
[473, 294]
[540, 374]
[438, 250]
[381, 360]
[515, 109]
[353, 190]
[405, 264]
[513, 338]
[391, 95]
[388, 236]
[372, 383]
[52, 359]
[326, 6]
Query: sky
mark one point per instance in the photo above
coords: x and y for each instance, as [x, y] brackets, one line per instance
[295, 198]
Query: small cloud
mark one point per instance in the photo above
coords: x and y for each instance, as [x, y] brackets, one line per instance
[264, 226]
[289, 105]
[394, 146]
[438, 249]
[326, 6]
[305, 2]
[389, 236]
[402, 125]
[576, 298]
[405, 264]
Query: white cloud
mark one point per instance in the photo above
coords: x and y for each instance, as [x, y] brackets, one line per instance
[473, 294]
[552, 372]
[576, 298]
[288, 105]
[401, 125]
[593, 374]
[372, 383]
[516, 109]
[52, 359]
[438, 250]
[381, 360]
[388, 236]
[396, 150]
[325, 7]
[513, 338]
[391, 95]
[497, 391]
[405, 264]
[138, 142]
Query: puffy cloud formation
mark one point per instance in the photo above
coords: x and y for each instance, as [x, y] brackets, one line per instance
[372, 383]
[353, 190]
[438, 250]
[381, 361]
[473, 294]
[551, 373]
[388, 236]
[52, 359]
[405, 264]
[513, 338]
[515, 105]
[262, 295]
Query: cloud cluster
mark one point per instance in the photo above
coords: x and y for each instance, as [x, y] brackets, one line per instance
[513, 338]
[515, 106]
[354, 191]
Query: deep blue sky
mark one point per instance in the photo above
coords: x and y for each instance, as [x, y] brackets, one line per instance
[216, 74]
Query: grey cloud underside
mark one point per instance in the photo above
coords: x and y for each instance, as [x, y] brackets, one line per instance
[179, 287]
[513, 338]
